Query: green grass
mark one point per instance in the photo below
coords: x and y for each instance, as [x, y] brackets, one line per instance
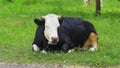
[17, 31]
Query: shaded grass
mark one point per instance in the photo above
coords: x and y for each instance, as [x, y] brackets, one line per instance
[17, 32]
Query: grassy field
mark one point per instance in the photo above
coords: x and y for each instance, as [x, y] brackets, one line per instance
[17, 31]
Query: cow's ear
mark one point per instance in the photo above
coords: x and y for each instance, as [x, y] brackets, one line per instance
[60, 18]
[39, 22]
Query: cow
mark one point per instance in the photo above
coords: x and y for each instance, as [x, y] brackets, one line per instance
[87, 2]
[69, 33]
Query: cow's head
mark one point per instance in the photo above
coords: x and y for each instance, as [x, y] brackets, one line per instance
[51, 23]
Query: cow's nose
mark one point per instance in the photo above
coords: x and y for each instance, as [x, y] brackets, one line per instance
[54, 39]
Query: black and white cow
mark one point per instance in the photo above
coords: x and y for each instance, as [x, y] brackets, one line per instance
[64, 33]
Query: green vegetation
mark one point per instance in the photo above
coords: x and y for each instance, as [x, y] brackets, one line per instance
[17, 31]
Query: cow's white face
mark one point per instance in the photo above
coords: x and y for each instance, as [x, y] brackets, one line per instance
[51, 26]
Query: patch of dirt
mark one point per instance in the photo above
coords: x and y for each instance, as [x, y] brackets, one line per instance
[27, 65]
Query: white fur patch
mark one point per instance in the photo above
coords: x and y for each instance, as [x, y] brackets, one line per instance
[43, 51]
[70, 51]
[92, 49]
[35, 48]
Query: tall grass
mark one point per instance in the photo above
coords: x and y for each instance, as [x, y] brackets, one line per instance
[17, 31]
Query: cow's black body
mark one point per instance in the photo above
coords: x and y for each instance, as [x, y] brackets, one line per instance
[73, 32]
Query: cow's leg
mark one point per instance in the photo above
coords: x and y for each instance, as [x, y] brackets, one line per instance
[44, 47]
[74, 49]
[68, 45]
[38, 48]
[92, 42]
[35, 48]
[65, 47]
[51, 48]
[43, 51]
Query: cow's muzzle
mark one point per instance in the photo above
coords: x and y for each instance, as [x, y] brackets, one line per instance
[54, 41]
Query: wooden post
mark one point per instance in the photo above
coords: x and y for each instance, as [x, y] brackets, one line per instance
[98, 8]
